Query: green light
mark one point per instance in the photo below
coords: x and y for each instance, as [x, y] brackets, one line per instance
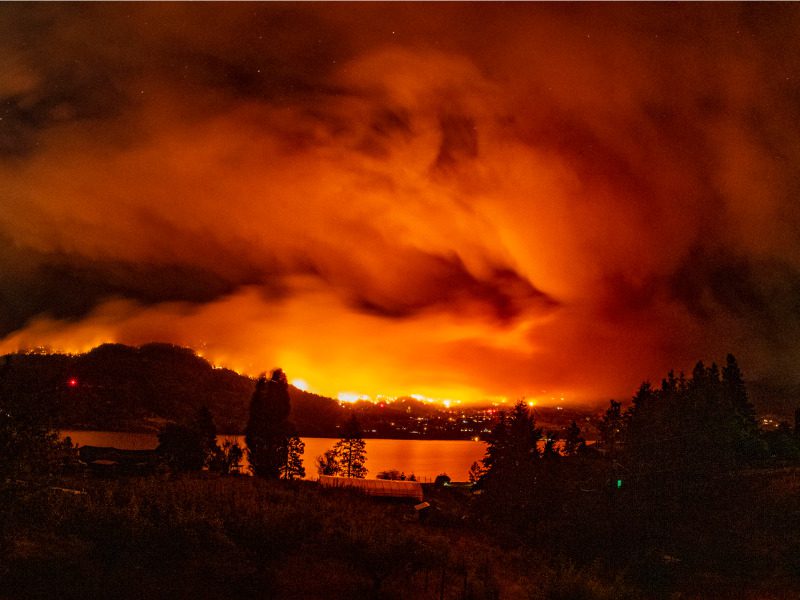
[619, 483]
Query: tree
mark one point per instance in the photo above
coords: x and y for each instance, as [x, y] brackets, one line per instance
[293, 469]
[203, 424]
[181, 447]
[31, 453]
[269, 433]
[30, 448]
[476, 471]
[642, 426]
[351, 450]
[513, 443]
[512, 457]
[682, 435]
[573, 442]
[748, 442]
[328, 463]
[612, 424]
[191, 446]
[227, 458]
[550, 451]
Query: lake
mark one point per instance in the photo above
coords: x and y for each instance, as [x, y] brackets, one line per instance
[425, 458]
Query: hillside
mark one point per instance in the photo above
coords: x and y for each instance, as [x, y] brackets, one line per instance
[123, 388]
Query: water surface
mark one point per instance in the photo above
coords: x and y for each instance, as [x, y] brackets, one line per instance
[425, 458]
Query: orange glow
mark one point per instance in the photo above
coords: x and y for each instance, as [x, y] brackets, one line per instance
[300, 384]
[351, 397]
[537, 199]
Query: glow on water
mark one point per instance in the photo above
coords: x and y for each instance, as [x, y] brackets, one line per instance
[425, 458]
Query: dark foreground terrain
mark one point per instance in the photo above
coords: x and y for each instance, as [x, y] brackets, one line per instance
[240, 537]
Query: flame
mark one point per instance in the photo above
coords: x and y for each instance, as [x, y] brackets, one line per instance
[300, 384]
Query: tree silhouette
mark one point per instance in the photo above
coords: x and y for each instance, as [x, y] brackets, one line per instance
[268, 433]
[690, 431]
[293, 469]
[476, 471]
[512, 462]
[351, 451]
[203, 423]
[550, 451]
[328, 463]
[192, 446]
[30, 449]
[573, 442]
[227, 458]
[611, 426]
[513, 441]
[748, 442]
[181, 447]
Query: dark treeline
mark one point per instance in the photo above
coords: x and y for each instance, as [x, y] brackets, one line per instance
[681, 486]
[272, 444]
[683, 497]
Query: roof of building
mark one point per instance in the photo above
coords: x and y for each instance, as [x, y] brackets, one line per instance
[375, 487]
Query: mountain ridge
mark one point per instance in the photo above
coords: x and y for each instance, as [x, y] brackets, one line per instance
[116, 387]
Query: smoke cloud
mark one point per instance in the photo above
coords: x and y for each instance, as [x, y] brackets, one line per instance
[465, 201]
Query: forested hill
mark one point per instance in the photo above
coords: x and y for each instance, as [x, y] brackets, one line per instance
[123, 388]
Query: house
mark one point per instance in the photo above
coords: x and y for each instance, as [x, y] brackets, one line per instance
[385, 488]
[112, 461]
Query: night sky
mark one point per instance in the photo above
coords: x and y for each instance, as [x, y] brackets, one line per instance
[464, 201]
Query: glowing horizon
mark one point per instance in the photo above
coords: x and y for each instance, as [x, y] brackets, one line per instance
[538, 199]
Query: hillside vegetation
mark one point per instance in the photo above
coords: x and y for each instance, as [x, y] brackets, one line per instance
[122, 388]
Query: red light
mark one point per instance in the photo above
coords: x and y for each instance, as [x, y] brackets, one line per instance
[73, 382]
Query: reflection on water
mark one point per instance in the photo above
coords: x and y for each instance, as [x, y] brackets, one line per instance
[425, 458]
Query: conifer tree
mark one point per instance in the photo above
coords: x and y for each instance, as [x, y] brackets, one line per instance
[269, 432]
[293, 469]
[612, 425]
[573, 442]
[351, 451]
[691, 430]
[512, 445]
[734, 392]
[180, 447]
[207, 432]
[512, 463]
[192, 445]
[496, 447]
